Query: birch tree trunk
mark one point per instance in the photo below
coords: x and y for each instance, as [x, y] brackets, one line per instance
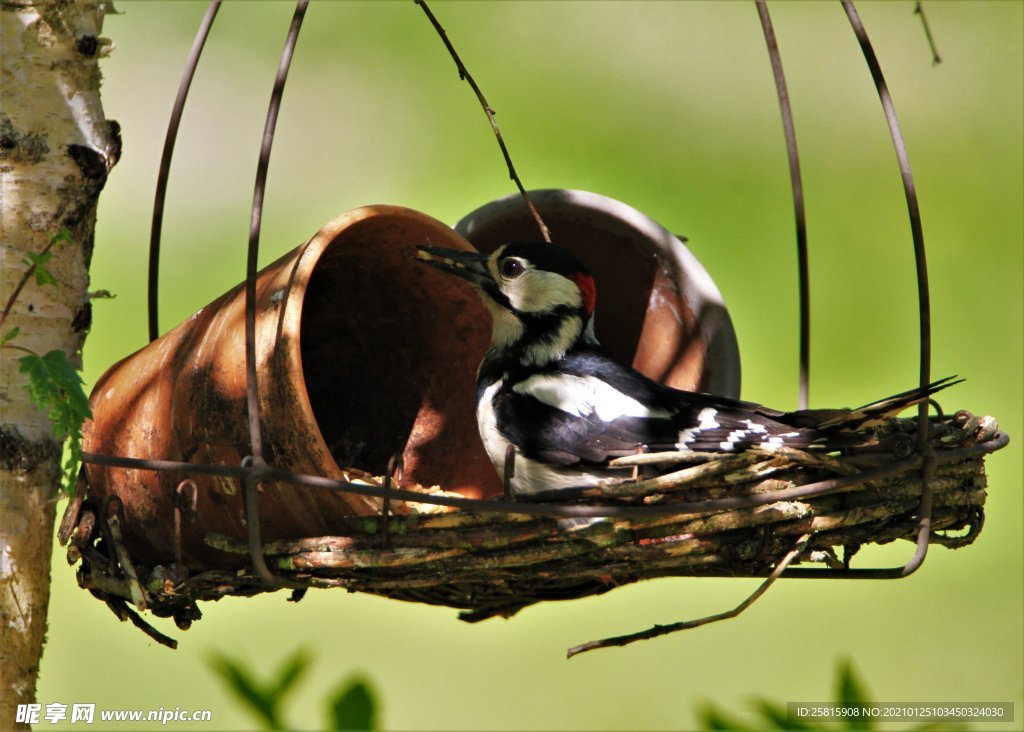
[56, 149]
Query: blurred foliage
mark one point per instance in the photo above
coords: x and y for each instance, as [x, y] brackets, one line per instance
[850, 692]
[352, 706]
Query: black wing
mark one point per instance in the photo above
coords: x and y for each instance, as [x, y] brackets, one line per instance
[590, 409]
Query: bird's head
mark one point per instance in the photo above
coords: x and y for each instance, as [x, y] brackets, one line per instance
[540, 296]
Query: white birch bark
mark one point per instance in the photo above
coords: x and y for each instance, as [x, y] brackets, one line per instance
[56, 148]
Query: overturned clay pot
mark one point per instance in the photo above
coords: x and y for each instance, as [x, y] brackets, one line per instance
[362, 353]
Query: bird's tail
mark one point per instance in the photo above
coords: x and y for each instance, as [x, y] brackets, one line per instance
[870, 415]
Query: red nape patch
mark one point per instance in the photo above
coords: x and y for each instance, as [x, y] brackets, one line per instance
[587, 289]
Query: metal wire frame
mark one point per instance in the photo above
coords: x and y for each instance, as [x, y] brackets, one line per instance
[803, 271]
[254, 470]
[924, 308]
[923, 292]
[165, 164]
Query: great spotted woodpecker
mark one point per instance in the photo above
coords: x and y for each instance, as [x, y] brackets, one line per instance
[547, 388]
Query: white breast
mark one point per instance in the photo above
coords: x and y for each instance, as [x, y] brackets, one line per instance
[494, 442]
[530, 476]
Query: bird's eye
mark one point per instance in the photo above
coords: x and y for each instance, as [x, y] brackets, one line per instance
[510, 268]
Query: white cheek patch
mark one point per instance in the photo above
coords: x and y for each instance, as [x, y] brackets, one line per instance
[585, 396]
[537, 291]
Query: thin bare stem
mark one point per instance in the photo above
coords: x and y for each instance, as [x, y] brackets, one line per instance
[489, 111]
[25, 277]
[659, 630]
[17, 291]
[919, 10]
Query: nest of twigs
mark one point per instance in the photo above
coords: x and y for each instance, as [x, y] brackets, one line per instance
[807, 508]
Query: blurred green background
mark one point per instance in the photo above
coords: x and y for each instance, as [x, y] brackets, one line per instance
[669, 107]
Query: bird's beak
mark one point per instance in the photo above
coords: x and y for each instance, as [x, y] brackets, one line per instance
[468, 265]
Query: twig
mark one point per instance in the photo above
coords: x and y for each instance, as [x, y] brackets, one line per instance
[659, 630]
[919, 10]
[138, 594]
[489, 111]
[27, 275]
[123, 613]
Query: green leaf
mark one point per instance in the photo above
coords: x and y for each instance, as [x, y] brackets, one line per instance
[354, 706]
[289, 673]
[45, 277]
[777, 717]
[248, 691]
[263, 700]
[62, 237]
[56, 388]
[713, 718]
[850, 692]
[10, 335]
[38, 262]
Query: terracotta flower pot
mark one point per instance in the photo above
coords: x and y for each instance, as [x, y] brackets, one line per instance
[362, 353]
[657, 307]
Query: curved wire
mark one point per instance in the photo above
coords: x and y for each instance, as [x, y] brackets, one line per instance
[256, 461]
[803, 274]
[165, 163]
[921, 261]
[255, 222]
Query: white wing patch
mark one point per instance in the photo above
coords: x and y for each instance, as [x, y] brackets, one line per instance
[705, 421]
[737, 436]
[585, 396]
